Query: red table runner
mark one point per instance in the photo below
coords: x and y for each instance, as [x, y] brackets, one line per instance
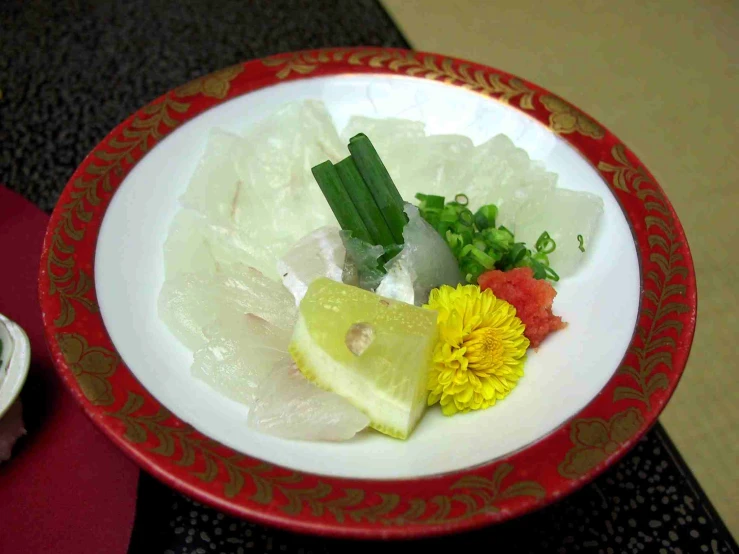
[66, 489]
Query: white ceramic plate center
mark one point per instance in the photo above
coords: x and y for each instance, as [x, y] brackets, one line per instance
[599, 302]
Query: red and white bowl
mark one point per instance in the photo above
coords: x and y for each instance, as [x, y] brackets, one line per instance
[589, 393]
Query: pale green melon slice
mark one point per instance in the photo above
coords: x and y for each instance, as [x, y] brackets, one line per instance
[373, 351]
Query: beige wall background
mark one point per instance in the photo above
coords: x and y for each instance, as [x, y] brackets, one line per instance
[664, 77]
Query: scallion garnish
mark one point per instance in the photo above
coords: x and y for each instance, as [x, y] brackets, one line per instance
[430, 201]
[545, 243]
[485, 217]
[582, 243]
[380, 184]
[466, 217]
[478, 244]
[339, 200]
[364, 203]
[364, 198]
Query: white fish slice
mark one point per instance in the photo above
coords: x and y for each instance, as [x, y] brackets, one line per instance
[238, 356]
[190, 303]
[291, 407]
[318, 254]
[497, 172]
[426, 262]
[564, 214]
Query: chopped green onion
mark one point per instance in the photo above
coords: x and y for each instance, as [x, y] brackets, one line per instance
[364, 203]
[380, 184]
[581, 241]
[430, 202]
[485, 216]
[540, 257]
[551, 274]
[471, 269]
[466, 233]
[449, 216]
[545, 243]
[455, 241]
[539, 269]
[488, 262]
[478, 245]
[466, 217]
[518, 253]
[505, 230]
[499, 239]
[339, 200]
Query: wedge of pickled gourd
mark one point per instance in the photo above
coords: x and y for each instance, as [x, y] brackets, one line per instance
[373, 351]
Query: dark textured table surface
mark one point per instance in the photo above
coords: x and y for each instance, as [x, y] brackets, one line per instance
[71, 70]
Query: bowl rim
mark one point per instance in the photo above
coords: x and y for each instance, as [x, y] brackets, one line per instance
[557, 464]
[18, 366]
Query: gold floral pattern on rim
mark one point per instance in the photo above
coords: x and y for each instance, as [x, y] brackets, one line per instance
[665, 299]
[565, 118]
[301, 63]
[470, 494]
[66, 280]
[595, 439]
[213, 85]
[492, 84]
[91, 366]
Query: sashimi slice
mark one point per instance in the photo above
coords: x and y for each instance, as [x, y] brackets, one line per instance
[239, 356]
[497, 172]
[195, 244]
[427, 164]
[186, 248]
[426, 262]
[214, 188]
[318, 254]
[564, 214]
[383, 132]
[280, 199]
[189, 304]
[291, 407]
[256, 192]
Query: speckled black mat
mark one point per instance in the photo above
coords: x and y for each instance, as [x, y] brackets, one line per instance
[71, 70]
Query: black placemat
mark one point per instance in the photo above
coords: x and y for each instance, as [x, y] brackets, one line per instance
[70, 71]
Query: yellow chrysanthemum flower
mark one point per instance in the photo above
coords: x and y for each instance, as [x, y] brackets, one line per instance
[481, 350]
